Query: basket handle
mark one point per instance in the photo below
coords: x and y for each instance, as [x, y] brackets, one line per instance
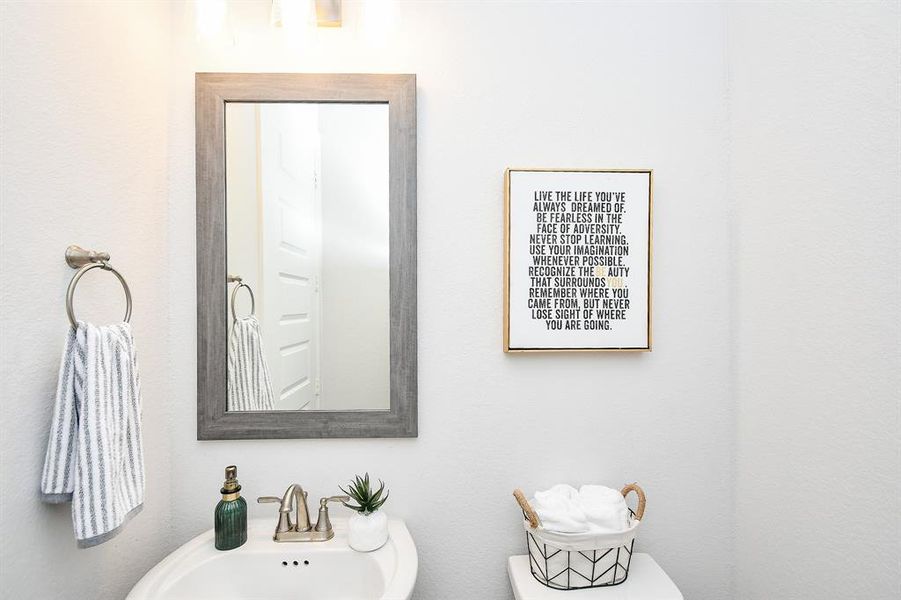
[526, 508]
[642, 500]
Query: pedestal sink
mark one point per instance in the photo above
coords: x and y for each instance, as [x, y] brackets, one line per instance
[262, 569]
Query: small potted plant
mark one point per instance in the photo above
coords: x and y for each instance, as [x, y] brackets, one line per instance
[367, 528]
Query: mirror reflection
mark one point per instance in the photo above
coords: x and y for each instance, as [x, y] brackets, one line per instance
[307, 256]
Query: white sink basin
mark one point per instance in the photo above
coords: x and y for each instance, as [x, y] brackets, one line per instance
[265, 570]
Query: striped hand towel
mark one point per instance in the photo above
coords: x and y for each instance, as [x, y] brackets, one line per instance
[95, 455]
[249, 386]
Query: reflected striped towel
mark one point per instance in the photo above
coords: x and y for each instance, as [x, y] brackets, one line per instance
[249, 386]
[95, 456]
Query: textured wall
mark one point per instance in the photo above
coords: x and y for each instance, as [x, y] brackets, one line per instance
[815, 178]
[84, 104]
[511, 84]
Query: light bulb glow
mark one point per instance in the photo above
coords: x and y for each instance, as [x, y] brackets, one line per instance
[378, 20]
[210, 17]
[291, 15]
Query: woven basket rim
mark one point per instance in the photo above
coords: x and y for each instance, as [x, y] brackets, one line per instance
[573, 542]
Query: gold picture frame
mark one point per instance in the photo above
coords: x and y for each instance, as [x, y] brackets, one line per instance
[507, 236]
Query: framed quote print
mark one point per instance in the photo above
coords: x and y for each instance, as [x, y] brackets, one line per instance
[577, 260]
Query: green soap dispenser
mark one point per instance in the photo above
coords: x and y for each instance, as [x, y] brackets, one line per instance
[231, 513]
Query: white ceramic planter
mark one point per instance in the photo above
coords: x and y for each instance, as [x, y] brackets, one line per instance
[366, 533]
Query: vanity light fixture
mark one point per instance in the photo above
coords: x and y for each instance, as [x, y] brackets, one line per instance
[292, 13]
[328, 13]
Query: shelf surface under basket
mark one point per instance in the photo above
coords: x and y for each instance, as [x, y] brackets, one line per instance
[646, 581]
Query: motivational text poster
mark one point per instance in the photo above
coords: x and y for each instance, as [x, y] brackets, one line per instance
[578, 260]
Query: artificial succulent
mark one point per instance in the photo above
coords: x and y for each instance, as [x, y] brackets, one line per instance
[368, 499]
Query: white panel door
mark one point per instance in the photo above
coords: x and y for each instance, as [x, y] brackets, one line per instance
[290, 211]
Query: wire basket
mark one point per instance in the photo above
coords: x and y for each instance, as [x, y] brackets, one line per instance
[575, 561]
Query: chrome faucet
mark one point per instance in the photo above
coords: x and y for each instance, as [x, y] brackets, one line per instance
[299, 529]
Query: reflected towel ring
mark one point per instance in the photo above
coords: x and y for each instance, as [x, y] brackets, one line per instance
[241, 284]
[70, 293]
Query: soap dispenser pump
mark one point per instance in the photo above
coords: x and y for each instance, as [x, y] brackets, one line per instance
[231, 513]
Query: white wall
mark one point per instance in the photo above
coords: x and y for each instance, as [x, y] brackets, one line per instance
[354, 286]
[500, 85]
[243, 227]
[816, 181]
[84, 160]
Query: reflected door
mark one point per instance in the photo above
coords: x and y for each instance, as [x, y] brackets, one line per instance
[291, 250]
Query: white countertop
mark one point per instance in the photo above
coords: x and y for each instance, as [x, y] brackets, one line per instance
[646, 581]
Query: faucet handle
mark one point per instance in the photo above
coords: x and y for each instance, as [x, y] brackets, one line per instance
[323, 523]
[323, 501]
[284, 516]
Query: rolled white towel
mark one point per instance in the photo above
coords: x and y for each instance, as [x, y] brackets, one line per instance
[590, 509]
[559, 509]
[605, 509]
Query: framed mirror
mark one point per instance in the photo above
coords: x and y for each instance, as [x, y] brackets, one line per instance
[306, 255]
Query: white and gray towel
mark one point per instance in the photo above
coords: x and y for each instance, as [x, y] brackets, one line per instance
[95, 455]
[249, 385]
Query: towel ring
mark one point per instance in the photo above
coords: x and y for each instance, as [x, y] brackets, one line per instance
[253, 302]
[70, 293]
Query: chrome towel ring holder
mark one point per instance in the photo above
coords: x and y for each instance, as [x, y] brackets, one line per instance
[253, 303]
[84, 261]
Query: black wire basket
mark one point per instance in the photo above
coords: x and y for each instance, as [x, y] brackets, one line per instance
[561, 569]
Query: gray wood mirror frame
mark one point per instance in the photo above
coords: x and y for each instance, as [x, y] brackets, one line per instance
[213, 91]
